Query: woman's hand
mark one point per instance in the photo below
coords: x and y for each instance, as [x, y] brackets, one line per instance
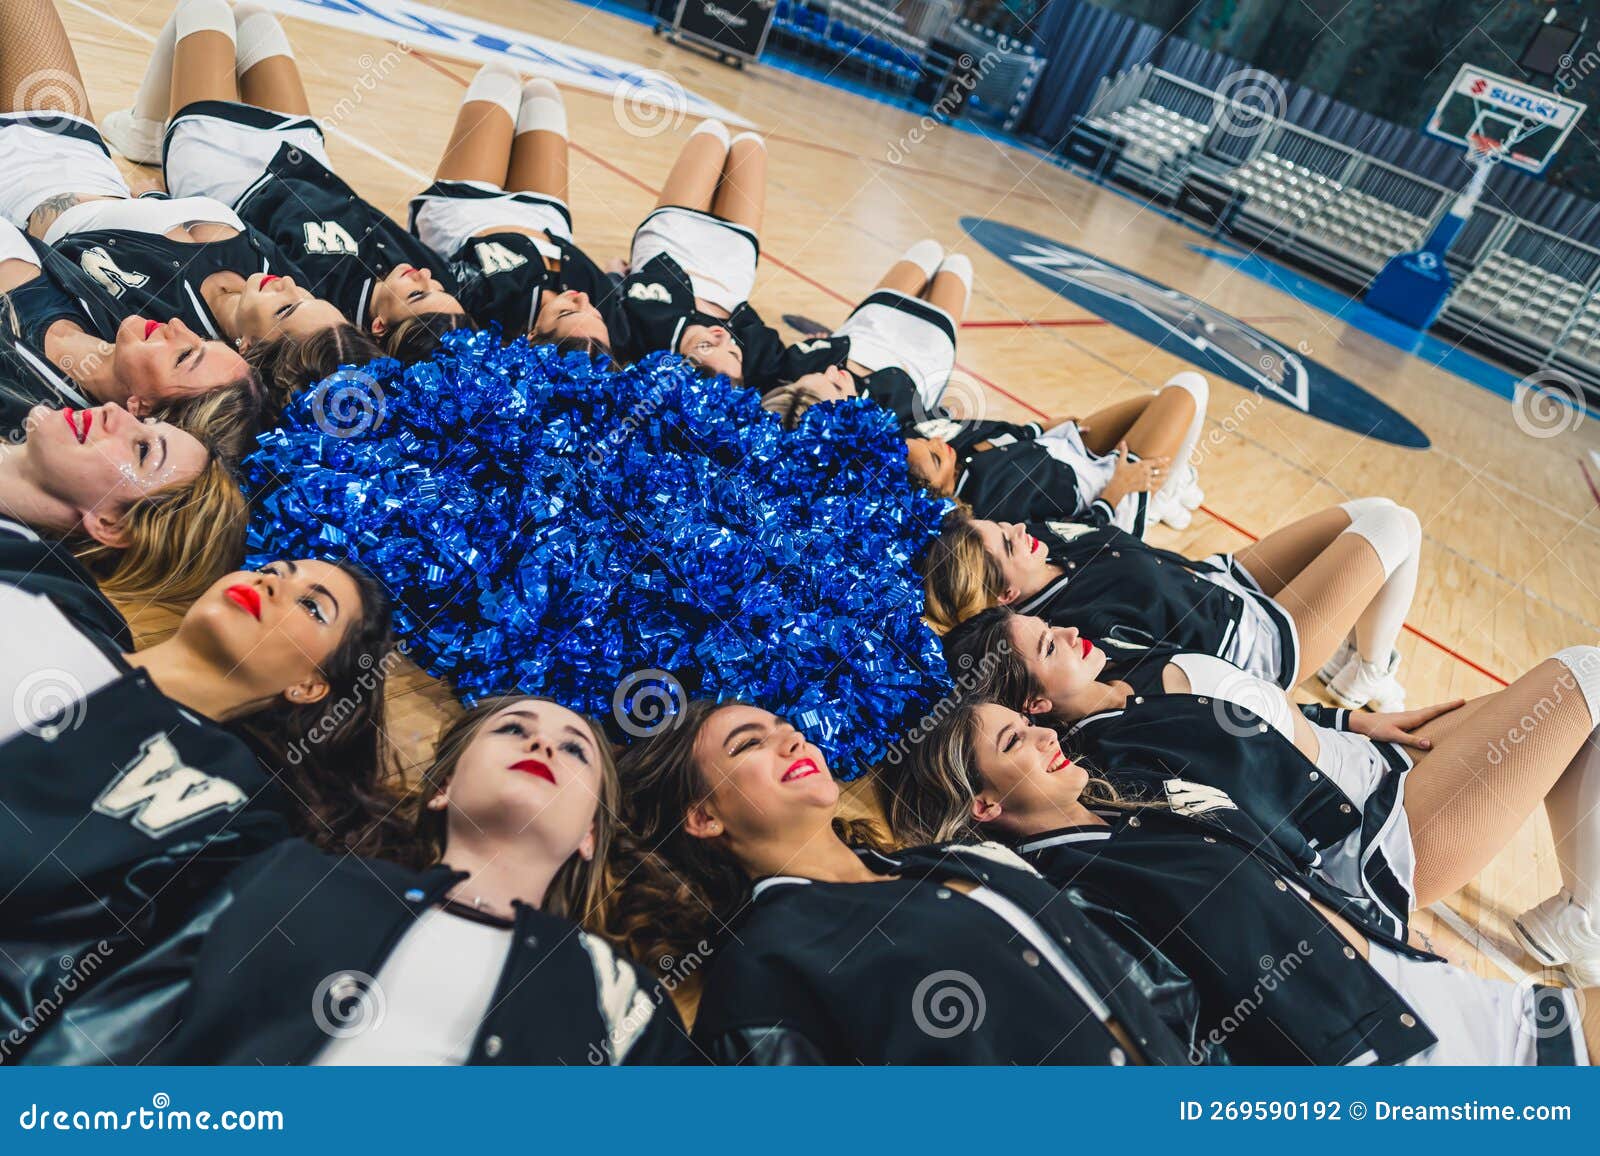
[1401, 726]
[1133, 477]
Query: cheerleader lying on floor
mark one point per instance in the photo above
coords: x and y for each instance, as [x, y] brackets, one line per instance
[731, 820]
[498, 206]
[1278, 608]
[1200, 877]
[477, 949]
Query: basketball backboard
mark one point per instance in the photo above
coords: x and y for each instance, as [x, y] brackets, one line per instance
[1517, 123]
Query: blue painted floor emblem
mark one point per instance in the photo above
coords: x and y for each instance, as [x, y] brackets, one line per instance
[1197, 332]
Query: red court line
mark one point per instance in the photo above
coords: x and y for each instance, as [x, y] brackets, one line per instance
[840, 297]
[1588, 481]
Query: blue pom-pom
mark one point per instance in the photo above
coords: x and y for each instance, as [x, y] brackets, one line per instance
[552, 527]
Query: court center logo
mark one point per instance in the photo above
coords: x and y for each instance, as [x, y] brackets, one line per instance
[1213, 341]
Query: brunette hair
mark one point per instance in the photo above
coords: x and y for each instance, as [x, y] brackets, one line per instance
[416, 338]
[333, 754]
[288, 365]
[674, 889]
[578, 891]
[983, 643]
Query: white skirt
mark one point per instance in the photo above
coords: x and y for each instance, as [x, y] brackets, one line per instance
[1484, 1021]
[44, 157]
[1357, 766]
[891, 328]
[221, 155]
[719, 256]
[1257, 645]
[445, 223]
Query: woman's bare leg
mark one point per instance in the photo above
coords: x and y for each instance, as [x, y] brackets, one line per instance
[539, 154]
[1160, 429]
[480, 142]
[692, 183]
[203, 62]
[742, 193]
[1279, 557]
[38, 71]
[951, 287]
[268, 75]
[1468, 795]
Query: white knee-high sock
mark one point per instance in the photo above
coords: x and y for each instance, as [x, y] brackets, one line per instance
[261, 37]
[960, 265]
[925, 255]
[1573, 804]
[542, 109]
[154, 98]
[713, 128]
[496, 84]
[1396, 535]
[195, 16]
[1197, 387]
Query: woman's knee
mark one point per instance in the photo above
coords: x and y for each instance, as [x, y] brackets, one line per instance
[1583, 665]
[1192, 383]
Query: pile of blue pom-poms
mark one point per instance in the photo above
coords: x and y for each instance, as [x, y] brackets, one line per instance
[620, 540]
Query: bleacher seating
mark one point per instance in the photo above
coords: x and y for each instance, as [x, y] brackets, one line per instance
[862, 35]
[1154, 138]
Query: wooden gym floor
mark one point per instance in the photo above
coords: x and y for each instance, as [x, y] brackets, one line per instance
[1512, 534]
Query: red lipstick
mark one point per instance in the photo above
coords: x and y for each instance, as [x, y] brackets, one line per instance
[801, 769]
[1087, 646]
[268, 279]
[536, 768]
[150, 327]
[71, 416]
[246, 598]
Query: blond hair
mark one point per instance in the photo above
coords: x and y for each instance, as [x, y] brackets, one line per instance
[790, 402]
[177, 542]
[959, 577]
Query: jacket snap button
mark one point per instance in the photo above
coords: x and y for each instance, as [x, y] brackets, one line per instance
[1203, 700]
[942, 893]
[1072, 565]
[1408, 1020]
[414, 895]
[49, 732]
[1116, 553]
[530, 942]
[1118, 1057]
[1262, 728]
[1137, 699]
[1280, 885]
[1344, 808]
[1211, 839]
[1349, 953]
[1133, 822]
[1030, 957]
[492, 1046]
[1315, 776]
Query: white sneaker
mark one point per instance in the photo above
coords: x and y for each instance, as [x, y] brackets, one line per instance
[134, 137]
[1189, 491]
[1163, 506]
[1330, 669]
[1560, 933]
[1363, 683]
